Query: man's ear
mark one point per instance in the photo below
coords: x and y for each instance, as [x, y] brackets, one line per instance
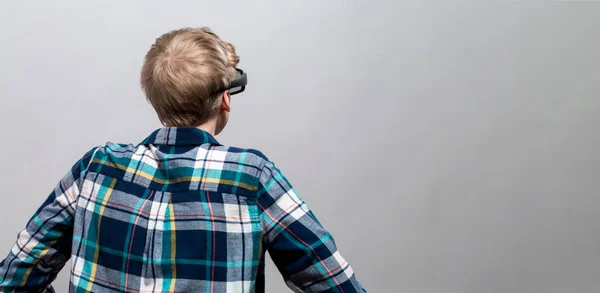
[225, 105]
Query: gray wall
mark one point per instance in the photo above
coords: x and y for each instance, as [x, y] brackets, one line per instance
[450, 146]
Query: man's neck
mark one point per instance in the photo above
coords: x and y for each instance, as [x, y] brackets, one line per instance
[209, 126]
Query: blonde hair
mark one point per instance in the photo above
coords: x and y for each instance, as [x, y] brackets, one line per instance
[184, 73]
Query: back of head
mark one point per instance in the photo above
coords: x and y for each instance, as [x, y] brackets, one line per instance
[184, 74]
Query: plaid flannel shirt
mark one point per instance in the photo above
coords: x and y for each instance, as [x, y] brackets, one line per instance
[177, 213]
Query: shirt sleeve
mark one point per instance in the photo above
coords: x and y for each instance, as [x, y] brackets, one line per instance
[44, 246]
[303, 251]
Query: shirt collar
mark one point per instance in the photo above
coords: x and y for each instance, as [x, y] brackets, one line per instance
[180, 136]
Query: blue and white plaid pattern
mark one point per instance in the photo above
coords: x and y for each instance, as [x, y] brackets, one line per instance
[177, 213]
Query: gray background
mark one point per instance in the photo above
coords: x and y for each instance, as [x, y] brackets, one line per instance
[450, 146]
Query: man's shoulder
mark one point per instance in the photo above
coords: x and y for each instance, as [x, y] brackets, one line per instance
[227, 169]
[245, 156]
[118, 150]
[224, 153]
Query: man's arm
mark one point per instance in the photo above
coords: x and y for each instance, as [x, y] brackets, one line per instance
[44, 246]
[303, 251]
